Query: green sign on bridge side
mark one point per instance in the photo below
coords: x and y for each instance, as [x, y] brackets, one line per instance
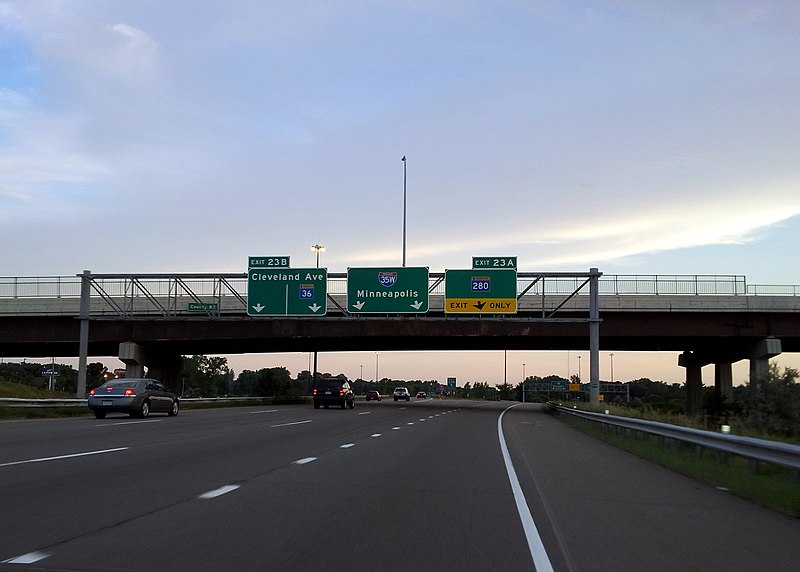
[393, 290]
[287, 291]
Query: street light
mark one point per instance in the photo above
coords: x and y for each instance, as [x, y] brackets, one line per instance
[612, 367]
[376, 367]
[579, 369]
[523, 383]
[361, 377]
[318, 248]
[404, 210]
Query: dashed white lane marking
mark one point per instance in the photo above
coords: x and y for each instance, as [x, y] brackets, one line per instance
[346, 446]
[292, 423]
[304, 461]
[375, 435]
[28, 558]
[218, 492]
[422, 420]
[538, 553]
[265, 411]
[118, 423]
[43, 459]
[410, 423]
[395, 428]
[365, 413]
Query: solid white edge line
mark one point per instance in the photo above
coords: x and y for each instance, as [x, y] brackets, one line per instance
[535, 545]
[43, 459]
[218, 492]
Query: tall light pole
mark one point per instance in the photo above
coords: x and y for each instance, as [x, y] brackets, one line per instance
[404, 210]
[579, 369]
[523, 383]
[612, 367]
[317, 248]
[361, 377]
[376, 367]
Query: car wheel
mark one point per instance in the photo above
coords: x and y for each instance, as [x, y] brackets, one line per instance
[145, 411]
[100, 414]
[344, 403]
[352, 404]
[395, 399]
[326, 406]
[175, 408]
[316, 405]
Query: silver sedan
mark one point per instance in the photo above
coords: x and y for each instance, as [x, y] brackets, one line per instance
[137, 397]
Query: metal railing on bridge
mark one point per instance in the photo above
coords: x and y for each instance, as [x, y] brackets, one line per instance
[162, 285]
[214, 294]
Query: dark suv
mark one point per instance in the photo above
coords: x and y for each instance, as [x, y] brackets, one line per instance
[334, 392]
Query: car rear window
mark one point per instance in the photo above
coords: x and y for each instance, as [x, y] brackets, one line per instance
[329, 384]
[120, 384]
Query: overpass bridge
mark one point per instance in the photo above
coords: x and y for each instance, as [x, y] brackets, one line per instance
[153, 319]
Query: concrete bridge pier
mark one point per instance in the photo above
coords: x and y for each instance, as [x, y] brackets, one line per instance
[759, 360]
[723, 382]
[166, 368]
[694, 381]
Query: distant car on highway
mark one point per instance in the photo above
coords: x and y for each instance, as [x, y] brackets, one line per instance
[373, 395]
[401, 393]
[334, 392]
[136, 397]
[421, 395]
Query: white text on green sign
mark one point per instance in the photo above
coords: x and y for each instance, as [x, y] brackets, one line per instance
[268, 262]
[480, 291]
[287, 292]
[494, 261]
[394, 290]
[202, 307]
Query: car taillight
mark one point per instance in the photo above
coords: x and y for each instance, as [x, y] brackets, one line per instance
[129, 392]
[315, 391]
[341, 392]
[91, 392]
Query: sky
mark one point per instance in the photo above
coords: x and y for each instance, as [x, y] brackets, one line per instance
[635, 136]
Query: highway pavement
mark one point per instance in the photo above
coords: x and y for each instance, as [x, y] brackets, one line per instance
[424, 485]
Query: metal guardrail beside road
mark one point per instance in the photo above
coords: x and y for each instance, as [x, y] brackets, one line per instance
[773, 452]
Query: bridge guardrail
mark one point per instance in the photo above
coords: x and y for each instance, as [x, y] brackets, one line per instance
[236, 284]
[773, 452]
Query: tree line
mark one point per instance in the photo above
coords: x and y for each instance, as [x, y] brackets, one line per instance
[773, 408]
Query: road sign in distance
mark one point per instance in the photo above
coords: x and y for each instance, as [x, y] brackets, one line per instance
[393, 290]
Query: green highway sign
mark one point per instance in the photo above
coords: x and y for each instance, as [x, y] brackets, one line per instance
[480, 291]
[494, 261]
[287, 291]
[268, 262]
[394, 290]
[202, 307]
